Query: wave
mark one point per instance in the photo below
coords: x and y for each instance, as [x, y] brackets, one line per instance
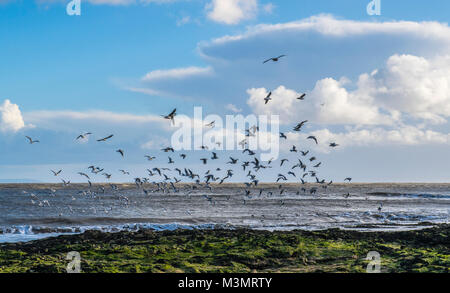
[410, 195]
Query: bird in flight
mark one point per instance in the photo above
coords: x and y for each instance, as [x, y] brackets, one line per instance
[300, 125]
[120, 152]
[105, 138]
[83, 136]
[150, 158]
[171, 116]
[348, 179]
[31, 140]
[333, 145]
[268, 98]
[313, 138]
[211, 124]
[301, 97]
[56, 173]
[274, 59]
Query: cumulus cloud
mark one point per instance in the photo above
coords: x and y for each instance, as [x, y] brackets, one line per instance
[284, 103]
[11, 119]
[411, 84]
[177, 73]
[231, 12]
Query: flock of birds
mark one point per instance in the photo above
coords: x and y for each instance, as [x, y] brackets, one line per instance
[165, 180]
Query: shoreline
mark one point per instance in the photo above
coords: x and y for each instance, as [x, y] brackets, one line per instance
[234, 251]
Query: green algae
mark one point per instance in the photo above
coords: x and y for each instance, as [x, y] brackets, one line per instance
[233, 251]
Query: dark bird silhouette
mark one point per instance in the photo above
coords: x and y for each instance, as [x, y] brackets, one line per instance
[274, 59]
[31, 141]
[105, 138]
[313, 138]
[268, 98]
[171, 116]
[56, 173]
[302, 97]
[300, 125]
[83, 136]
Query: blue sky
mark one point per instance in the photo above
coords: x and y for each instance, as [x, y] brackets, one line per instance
[61, 75]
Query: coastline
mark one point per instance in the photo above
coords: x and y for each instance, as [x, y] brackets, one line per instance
[234, 251]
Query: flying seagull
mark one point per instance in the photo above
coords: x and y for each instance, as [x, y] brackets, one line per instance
[120, 152]
[83, 136]
[171, 116]
[56, 173]
[105, 138]
[274, 59]
[31, 140]
[268, 98]
[302, 97]
[313, 138]
[333, 145]
[300, 125]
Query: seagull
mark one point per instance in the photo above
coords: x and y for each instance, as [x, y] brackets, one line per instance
[84, 135]
[56, 173]
[150, 158]
[348, 179]
[31, 140]
[333, 145]
[300, 125]
[168, 149]
[84, 174]
[211, 124]
[274, 59]
[313, 138]
[302, 97]
[282, 135]
[171, 116]
[233, 161]
[120, 152]
[268, 98]
[106, 138]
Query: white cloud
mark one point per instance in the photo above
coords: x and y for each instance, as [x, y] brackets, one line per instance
[284, 103]
[177, 73]
[92, 115]
[232, 11]
[11, 119]
[233, 108]
[184, 20]
[269, 8]
[413, 85]
[334, 104]
[327, 25]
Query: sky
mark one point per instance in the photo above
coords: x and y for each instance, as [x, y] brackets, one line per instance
[378, 85]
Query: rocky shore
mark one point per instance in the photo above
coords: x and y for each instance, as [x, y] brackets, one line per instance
[198, 251]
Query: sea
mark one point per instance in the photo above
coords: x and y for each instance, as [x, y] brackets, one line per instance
[35, 211]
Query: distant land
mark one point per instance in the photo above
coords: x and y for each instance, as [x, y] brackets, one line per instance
[19, 181]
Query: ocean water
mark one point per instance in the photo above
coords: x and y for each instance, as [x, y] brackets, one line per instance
[29, 212]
